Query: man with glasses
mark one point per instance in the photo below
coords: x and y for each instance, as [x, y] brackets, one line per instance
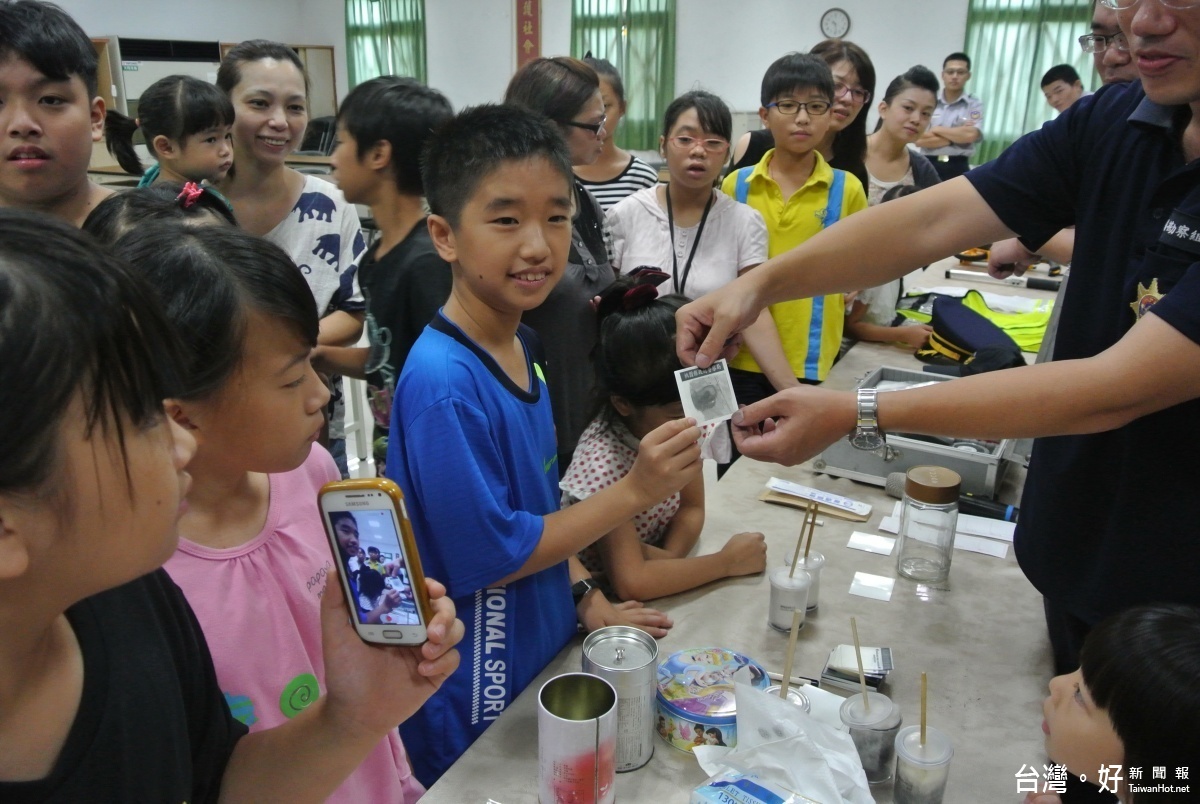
[1108, 46]
[1109, 508]
[957, 121]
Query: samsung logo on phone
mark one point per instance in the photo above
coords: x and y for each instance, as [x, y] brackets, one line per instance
[363, 504]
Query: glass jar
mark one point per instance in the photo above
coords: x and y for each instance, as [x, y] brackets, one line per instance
[926, 542]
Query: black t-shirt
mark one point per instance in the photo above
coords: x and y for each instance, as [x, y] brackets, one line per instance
[152, 724]
[404, 290]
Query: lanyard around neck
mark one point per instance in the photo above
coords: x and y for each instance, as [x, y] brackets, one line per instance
[678, 283]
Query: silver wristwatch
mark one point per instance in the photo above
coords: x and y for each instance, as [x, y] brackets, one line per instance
[867, 434]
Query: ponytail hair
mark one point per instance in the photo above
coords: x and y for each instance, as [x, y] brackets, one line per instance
[175, 107]
[190, 204]
[635, 355]
[916, 77]
[209, 279]
[229, 74]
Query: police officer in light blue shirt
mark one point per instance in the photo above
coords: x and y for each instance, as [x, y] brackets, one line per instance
[957, 121]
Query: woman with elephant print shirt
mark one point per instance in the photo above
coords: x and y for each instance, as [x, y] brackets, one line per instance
[304, 215]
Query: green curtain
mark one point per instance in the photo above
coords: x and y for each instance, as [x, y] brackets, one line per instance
[385, 37]
[638, 37]
[1012, 43]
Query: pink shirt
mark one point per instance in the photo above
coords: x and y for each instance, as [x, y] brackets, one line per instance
[259, 606]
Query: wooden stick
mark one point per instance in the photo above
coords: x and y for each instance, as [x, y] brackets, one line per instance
[924, 691]
[810, 509]
[862, 677]
[808, 543]
[791, 653]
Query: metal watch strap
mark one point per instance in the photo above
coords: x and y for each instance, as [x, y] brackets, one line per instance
[868, 410]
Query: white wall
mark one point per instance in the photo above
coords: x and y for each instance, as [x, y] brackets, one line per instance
[299, 22]
[471, 43]
[727, 51]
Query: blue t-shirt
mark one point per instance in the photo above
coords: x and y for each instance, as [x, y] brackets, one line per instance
[476, 457]
[1108, 520]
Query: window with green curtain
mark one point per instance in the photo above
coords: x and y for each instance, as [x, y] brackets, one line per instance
[1012, 43]
[385, 37]
[638, 37]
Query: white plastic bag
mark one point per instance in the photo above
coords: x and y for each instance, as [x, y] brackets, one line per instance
[783, 745]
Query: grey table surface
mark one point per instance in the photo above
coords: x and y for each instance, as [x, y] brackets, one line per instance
[981, 639]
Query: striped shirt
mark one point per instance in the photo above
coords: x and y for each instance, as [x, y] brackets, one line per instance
[636, 175]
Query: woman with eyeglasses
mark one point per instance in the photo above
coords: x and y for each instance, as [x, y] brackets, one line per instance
[688, 229]
[845, 144]
[567, 91]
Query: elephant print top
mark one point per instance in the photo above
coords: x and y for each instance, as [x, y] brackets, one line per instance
[323, 237]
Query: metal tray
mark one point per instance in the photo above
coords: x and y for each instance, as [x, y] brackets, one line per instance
[981, 464]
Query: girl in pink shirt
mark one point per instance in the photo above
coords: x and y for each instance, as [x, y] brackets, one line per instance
[252, 558]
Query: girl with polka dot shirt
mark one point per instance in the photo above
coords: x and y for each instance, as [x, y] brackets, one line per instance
[648, 556]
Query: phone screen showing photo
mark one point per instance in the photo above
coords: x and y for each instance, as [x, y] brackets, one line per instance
[373, 562]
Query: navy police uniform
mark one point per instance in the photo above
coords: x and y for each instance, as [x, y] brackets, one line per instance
[1108, 520]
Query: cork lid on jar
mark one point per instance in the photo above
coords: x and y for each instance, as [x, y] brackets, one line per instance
[934, 485]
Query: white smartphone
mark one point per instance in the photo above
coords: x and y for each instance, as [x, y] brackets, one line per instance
[378, 566]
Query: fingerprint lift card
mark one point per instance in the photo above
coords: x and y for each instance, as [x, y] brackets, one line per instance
[707, 393]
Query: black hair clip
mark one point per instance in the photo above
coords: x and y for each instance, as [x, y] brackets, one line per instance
[649, 275]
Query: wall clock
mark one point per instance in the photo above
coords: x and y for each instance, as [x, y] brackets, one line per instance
[835, 23]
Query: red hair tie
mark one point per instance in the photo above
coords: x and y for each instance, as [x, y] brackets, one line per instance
[638, 296]
[190, 193]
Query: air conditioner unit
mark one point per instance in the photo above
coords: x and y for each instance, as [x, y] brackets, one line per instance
[144, 61]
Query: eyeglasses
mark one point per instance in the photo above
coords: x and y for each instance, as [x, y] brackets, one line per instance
[1098, 43]
[595, 128]
[713, 146]
[1123, 4]
[791, 107]
[859, 96]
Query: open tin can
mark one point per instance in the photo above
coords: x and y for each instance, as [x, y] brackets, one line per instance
[577, 738]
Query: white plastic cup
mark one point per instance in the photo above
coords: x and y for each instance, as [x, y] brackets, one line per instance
[577, 739]
[788, 594]
[874, 732]
[922, 770]
[813, 565]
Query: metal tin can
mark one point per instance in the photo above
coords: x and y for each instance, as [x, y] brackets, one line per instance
[794, 695]
[577, 738]
[696, 704]
[627, 658]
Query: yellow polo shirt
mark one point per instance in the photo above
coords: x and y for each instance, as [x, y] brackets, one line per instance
[810, 329]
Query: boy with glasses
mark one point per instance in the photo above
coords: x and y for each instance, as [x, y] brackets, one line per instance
[957, 121]
[798, 194]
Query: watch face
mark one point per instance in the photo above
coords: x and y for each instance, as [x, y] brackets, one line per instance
[867, 440]
[835, 23]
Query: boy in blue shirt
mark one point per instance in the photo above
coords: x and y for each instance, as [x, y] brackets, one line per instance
[472, 441]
